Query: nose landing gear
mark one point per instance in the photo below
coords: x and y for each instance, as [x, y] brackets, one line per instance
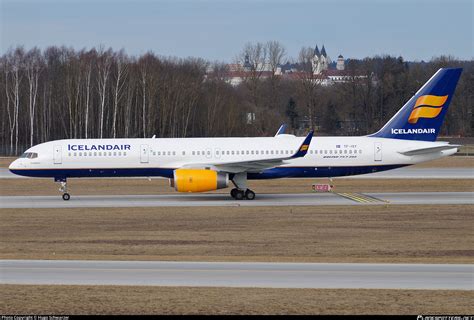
[63, 188]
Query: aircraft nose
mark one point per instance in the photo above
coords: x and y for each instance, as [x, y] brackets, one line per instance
[14, 165]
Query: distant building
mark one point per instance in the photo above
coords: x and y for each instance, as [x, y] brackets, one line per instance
[320, 61]
[340, 63]
[325, 71]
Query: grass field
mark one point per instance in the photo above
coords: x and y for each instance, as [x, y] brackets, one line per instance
[385, 233]
[188, 300]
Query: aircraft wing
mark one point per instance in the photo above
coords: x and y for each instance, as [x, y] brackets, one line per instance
[255, 165]
[416, 151]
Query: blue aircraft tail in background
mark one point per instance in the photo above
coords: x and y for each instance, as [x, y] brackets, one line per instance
[421, 117]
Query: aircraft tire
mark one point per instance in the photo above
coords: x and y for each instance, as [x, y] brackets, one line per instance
[239, 195]
[66, 196]
[249, 194]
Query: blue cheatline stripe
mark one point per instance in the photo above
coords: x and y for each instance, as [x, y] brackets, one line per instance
[280, 172]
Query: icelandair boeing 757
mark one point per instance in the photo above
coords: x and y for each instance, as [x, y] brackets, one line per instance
[205, 164]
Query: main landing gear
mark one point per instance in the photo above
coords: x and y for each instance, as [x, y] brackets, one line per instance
[63, 188]
[238, 194]
[241, 192]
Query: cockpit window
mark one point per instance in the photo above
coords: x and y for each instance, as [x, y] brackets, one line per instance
[29, 155]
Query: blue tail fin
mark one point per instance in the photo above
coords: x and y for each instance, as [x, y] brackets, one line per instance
[421, 117]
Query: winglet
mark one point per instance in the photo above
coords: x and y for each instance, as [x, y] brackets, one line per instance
[281, 130]
[303, 149]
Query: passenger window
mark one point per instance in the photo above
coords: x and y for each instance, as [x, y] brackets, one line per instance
[174, 153]
[110, 154]
[248, 152]
[80, 154]
[193, 153]
[124, 154]
[232, 152]
[69, 154]
[115, 154]
[271, 151]
[252, 152]
[184, 153]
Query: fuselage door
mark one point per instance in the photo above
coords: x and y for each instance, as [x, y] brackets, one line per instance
[144, 153]
[58, 156]
[377, 151]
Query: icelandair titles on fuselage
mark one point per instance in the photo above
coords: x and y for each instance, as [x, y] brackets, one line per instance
[413, 131]
[97, 147]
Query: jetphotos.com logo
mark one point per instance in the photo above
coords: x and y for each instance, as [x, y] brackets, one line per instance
[427, 106]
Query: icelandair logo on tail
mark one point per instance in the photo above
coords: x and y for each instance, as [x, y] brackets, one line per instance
[427, 107]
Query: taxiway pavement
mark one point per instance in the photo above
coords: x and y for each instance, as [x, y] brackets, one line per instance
[239, 274]
[209, 199]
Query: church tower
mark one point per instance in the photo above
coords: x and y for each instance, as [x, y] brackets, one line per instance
[340, 63]
[320, 60]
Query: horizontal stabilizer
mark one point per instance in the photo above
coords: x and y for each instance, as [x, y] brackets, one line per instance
[417, 151]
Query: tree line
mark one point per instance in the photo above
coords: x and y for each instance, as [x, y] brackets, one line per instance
[62, 93]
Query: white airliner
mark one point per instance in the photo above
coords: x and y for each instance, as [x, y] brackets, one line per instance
[205, 164]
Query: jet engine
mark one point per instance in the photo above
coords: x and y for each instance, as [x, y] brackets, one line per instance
[198, 180]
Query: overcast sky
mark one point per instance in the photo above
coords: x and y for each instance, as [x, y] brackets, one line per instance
[217, 30]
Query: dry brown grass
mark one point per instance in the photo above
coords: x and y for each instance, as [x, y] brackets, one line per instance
[15, 187]
[24, 299]
[384, 233]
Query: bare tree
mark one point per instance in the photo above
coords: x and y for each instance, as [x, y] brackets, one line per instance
[120, 77]
[103, 67]
[33, 66]
[254, 57]
[309, 83]
[16, 63]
